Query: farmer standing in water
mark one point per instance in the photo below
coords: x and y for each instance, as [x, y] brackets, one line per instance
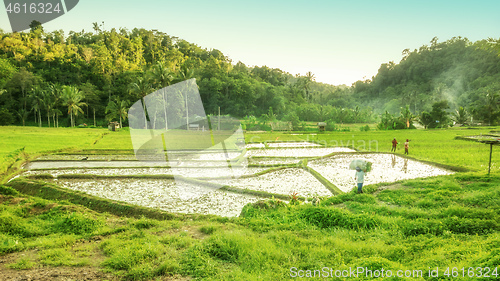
[394, 145]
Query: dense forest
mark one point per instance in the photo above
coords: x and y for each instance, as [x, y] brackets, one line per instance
[53, 79]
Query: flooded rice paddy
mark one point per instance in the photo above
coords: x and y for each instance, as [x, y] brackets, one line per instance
[385, 168]
[214, 170]
[297, 152]
[167, 195]
[285, 181]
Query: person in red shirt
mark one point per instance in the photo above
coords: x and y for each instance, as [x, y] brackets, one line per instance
[394, 145]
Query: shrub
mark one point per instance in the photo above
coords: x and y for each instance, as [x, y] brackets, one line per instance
[7, 190]
[14, 225]
[365, 128]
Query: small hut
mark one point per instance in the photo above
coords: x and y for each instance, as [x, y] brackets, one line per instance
[113, 126]
[321, 126]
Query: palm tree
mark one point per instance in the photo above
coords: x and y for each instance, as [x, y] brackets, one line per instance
[72, 99]
[36, 97]
[461, 115]
[308, 80]
[406, 116]
[117, 108]
[163, 77]
[23, 114]
[183, 75]
[55, 92]
[142, 87]
[48, 103]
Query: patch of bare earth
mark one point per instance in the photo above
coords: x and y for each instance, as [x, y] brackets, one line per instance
[54, 273]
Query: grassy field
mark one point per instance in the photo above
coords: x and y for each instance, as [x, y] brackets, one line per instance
[409, 228]
[438, 146]
[20, 143]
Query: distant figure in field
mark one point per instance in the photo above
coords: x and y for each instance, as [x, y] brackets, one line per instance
[394, 145]
[407, 145]
[360, 178]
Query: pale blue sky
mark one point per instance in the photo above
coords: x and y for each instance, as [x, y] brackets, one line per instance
[339, 41]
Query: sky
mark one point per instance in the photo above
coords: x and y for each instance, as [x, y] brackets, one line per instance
[340, 42]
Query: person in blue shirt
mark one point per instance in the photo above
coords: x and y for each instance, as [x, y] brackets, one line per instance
[360, 178]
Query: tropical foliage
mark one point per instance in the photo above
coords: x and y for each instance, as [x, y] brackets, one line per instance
[131, 64]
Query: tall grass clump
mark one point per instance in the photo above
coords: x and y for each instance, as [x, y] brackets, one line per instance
[78, 223]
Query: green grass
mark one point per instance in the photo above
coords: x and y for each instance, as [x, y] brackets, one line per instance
[446, 221]
[431, 145]
[22, 143]
[434, 222]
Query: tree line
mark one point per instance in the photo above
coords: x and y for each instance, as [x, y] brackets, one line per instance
[95, 76]
[48, 78]
[441, 84]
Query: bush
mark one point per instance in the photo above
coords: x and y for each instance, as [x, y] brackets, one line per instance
[365, 128]
[330, 125]
[14, 225]
[7, 190]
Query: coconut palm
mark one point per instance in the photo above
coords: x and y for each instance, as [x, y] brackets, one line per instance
[48, 104]
[163, 78]
[161, 75]
[461, 115]
[72, 97]
[183, 75]
[36, 96]
[23, 114]
[55, 92]
[141, 87]
[117, 108]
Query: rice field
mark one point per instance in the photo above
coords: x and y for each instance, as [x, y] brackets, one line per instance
[213, 170]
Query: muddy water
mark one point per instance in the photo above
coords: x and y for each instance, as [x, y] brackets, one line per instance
[185, 171]
[286, 181]
[274, 160]
[296, 152]
[179, 196]
[292, 144]
[121, 164]
[166, 195]
[385, 168]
